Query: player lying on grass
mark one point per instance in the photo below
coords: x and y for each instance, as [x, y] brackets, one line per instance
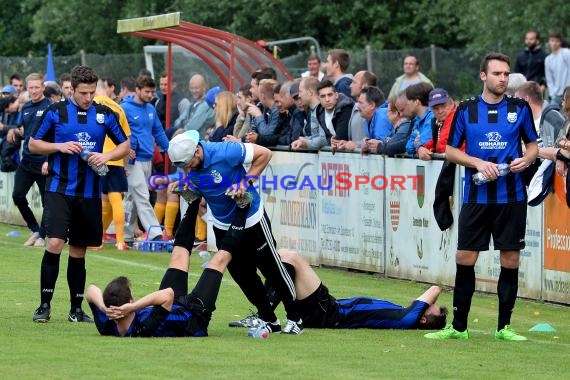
[319, 309]
[170, 311]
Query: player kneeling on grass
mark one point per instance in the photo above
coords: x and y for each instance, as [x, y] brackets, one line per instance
[319, 309]
[170, 311]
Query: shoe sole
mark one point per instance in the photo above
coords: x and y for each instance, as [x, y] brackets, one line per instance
[291, 333]
[41, 320]
[511, 340]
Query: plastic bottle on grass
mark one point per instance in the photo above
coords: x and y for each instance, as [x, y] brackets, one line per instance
[258, 333]
[479, 178]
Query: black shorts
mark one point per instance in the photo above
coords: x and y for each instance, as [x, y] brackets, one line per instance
[506, 223]
[75, 219]
[178, 281]
[115, 181]
[320, 309]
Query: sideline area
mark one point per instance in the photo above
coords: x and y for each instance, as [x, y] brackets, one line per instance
[375, 214]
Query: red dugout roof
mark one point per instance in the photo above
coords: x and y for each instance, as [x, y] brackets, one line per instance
[232, 58]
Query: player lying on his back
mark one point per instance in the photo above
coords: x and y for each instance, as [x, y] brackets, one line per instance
[319, 309]
[170, 311]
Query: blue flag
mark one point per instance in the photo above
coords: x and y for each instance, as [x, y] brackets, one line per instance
[50, 70]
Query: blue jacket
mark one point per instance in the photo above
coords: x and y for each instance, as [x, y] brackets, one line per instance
[422, 128]
[395, 142]
[379, 127]
[145, 128]
[342, 84]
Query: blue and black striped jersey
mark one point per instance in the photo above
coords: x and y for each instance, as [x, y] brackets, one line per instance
[64, 121]
[493, 132]
[173, 324]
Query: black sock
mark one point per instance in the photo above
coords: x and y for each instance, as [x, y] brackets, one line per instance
[274, 297]
[464, 289]
[48, 277]
[507, 289]
[76, 276]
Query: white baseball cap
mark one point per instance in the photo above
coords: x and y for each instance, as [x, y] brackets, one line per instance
[182, 147]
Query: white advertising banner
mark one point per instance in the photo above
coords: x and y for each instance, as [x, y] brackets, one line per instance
[9, 213]
[289, 189]
[351, 211]
[415, 246]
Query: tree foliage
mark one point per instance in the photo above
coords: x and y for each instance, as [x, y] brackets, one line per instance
[480, 25]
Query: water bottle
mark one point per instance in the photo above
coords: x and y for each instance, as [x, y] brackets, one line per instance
[134, 146]
[258, 333]
[100, 170]
[479, 178]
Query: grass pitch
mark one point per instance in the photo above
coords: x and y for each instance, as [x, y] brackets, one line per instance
[62, 350]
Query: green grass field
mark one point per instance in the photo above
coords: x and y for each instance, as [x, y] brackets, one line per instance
[62, 350]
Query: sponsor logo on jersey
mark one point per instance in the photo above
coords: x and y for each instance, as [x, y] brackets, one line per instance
[493, 141]
[83, 138]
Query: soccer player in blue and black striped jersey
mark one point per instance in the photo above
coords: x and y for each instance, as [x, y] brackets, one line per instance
[170, 311]
[72, 198]
[319, 309]
[492, 126]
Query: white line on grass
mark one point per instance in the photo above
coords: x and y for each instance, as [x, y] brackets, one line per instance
[130, 263]
[150, 266]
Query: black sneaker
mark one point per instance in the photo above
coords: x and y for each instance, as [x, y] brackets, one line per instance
[79, 316]
[250, 321]
[292, 327]
[42, 313]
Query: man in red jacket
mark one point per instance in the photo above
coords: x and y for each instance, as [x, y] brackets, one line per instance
[443, 108]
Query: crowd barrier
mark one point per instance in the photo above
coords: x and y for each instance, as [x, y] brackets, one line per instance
[375, 214]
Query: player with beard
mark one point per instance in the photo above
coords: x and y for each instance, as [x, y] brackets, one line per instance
[492, 125]
[72, 198]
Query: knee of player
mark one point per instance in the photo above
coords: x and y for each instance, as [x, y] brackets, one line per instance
[287, 255]
[220, 260]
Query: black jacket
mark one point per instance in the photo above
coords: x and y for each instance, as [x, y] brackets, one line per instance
[341, 117]
[288, 129]
[530, 63]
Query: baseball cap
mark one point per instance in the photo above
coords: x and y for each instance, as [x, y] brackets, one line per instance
[182, 147]
[294, 89]
[211, 95]
[438, 96]
[8, 89]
